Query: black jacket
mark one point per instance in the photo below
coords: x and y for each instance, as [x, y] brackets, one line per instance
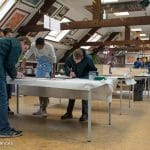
[82, 68]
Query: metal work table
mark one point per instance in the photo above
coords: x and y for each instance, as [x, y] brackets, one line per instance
[67, 88]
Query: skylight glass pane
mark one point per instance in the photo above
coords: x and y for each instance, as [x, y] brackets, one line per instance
[53, 33]
[109, 1]
[95, 37]
[57, 36]
[2, 3]
[5, 7]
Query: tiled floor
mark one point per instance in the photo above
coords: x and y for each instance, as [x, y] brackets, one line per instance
[130, 131]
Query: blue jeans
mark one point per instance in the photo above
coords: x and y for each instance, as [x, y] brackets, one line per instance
[4, 124]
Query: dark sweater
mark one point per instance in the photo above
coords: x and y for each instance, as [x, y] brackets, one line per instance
[10, 50]
[82, 68]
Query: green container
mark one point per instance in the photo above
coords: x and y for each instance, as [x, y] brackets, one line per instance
[100, 78]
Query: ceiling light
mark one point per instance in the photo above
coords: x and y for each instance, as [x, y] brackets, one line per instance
[145, 38]
[121, 13]
[142, 34]
[109, 1]
[136, 29]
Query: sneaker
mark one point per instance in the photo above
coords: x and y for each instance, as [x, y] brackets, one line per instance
[11, 133]
[40, 113]
[83, 117]
[66, 116]
[10, 112]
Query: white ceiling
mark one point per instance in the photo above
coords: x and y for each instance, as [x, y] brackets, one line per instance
[79, 13]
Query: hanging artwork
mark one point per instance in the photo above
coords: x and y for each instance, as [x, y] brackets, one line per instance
[16, 18]
[130, 58]
[62, 13]
[54, 9]
[32, 3]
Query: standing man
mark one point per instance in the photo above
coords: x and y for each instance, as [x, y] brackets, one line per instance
[78, 66]
[10, 50]
[46, 65]
[1, 33]
[9, 34]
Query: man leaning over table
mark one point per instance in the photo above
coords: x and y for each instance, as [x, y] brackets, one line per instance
[10, 50]
[78, 65]
[46, 65]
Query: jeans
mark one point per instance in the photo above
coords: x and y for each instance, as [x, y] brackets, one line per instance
[84, 106]
[4, 124]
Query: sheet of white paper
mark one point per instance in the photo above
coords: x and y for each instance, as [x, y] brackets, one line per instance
[54, 25]
[46, 22]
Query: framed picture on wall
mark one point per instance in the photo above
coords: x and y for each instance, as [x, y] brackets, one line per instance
[130, 58]
[32, 3]
[62, 13]
[16, 18]
[54, 9]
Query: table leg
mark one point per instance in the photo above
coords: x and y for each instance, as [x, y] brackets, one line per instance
[109, 109]
[89, 117]
[130, 97]
[148, 87]
[17, 99]
[121, 97]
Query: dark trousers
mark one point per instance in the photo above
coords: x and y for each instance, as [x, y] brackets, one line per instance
[9, 91]
[84, 106]
[4, 124]
[43, 103]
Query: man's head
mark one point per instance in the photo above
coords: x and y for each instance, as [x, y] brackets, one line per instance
[78, 55]
[1, 33]
[40, 42]
[25, 43]
[138, 59]
[8, 32]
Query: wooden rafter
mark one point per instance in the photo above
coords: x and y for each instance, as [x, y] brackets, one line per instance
[129, 42]
[144, 20]
[96, 9]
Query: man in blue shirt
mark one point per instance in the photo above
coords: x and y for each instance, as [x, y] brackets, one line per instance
[138, 63]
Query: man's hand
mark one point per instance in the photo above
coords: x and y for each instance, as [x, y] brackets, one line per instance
[20, 75]
[72, 74]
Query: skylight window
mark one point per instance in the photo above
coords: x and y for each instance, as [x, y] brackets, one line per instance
[56, 35]
[93, 38]
[109, 1]
[5, 6]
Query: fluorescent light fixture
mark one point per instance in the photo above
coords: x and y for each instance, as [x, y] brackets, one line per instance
[145, 38]
[136, 29]
[142, 34]
[109, 1]
[121, 13]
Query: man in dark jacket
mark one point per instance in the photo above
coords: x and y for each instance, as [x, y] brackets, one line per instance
[78, 65]
[10, 50]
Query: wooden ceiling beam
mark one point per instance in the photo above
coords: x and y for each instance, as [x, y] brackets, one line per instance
[130, 21]
[129, 42]
[34, 28]
[96, 9]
